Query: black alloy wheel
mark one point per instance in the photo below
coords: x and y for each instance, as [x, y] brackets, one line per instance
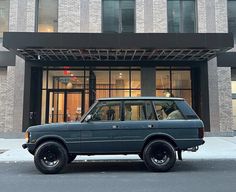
[159, 156]
[50, 157]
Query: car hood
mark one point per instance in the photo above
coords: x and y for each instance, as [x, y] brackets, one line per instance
[52, 127]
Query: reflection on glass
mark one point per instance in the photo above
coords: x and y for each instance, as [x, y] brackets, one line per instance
[119, 79]
[119, 93]
[135, 80]
[102, 79]
[56, 107]
[181, 16]
[163, 79]
[181, 79]
[135, 93]
[186, 94]
[74, 106]
[118, 16]
[47, 16]
[4, 16]
[43, 107]
[232, 17]
[102, 94]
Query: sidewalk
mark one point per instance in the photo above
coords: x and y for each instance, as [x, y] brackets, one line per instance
[214, 148]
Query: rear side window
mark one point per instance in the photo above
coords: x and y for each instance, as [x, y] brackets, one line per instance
[167, 110]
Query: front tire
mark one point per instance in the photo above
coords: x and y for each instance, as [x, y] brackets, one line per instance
[159, 156]
[50, 157]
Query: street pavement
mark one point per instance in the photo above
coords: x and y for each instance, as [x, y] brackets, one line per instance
[214, 148]
[211, 168]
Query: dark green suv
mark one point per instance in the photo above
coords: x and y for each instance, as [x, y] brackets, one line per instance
[152, 127]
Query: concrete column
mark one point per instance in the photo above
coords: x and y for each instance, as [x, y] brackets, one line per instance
[3, 83]
[84, 15]
[139, 16]
[69, 16]
[160, 16]
[213, 96]
[148, 81]
[95, 16]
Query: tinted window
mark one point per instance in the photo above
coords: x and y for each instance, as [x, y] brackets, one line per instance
[106, 111]
[167, 110]
[181, 16]
[232, 17]
[138, 110]
[118, 16]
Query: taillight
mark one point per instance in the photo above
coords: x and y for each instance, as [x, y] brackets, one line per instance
[201, 132]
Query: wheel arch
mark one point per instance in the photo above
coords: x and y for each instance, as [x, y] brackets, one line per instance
[161, 136]
[54, 138]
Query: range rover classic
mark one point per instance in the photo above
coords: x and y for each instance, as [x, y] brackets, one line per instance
[156, 129]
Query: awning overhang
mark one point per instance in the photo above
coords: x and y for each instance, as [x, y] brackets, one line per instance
[117, 47]
[227, 60]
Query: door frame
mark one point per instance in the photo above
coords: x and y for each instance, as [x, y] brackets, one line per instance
[65, 91]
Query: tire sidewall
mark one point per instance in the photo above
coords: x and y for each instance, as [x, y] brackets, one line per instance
[159, 168]
[62, 160]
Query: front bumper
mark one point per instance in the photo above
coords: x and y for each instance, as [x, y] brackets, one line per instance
[30, 147]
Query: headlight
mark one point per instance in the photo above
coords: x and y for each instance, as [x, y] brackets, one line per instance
[27, 136]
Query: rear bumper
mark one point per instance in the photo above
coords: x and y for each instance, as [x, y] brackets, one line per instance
[184, 144]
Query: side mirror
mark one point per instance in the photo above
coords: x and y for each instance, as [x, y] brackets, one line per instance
[88, 118]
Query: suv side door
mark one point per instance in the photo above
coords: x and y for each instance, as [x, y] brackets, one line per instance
[138, 121]
[96, 135]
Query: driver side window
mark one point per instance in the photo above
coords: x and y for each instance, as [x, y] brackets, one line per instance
[106, 111]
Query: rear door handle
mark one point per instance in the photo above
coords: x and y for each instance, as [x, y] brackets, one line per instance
[114, 126]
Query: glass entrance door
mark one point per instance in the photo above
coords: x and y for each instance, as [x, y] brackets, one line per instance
[64, 106]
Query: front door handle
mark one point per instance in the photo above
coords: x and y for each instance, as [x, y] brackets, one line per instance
[114, 126]
[150, 126]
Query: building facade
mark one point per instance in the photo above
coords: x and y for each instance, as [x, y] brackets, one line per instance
[70, 52]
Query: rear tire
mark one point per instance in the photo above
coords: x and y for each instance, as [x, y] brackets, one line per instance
[50, 157]
[159, 156]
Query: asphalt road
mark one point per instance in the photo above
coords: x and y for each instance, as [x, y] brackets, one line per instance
[186, 176]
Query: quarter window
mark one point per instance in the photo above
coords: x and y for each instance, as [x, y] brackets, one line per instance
[167, 110]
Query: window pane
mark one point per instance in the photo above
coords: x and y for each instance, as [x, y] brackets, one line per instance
[188, 16]
[102, 79]
[119, 93]
[135, 110]
[181, 80]
[110, 16]
[48, 16]
[4, 16]
[163, 79]
[120, 79]
[135, 80]
[102, 94]
[127, 12]
[233, 86]
[167, 110]
[173, 9]
[186, 94]
[106, 111]
[181, 16]
[135, 93]
[232, 17]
